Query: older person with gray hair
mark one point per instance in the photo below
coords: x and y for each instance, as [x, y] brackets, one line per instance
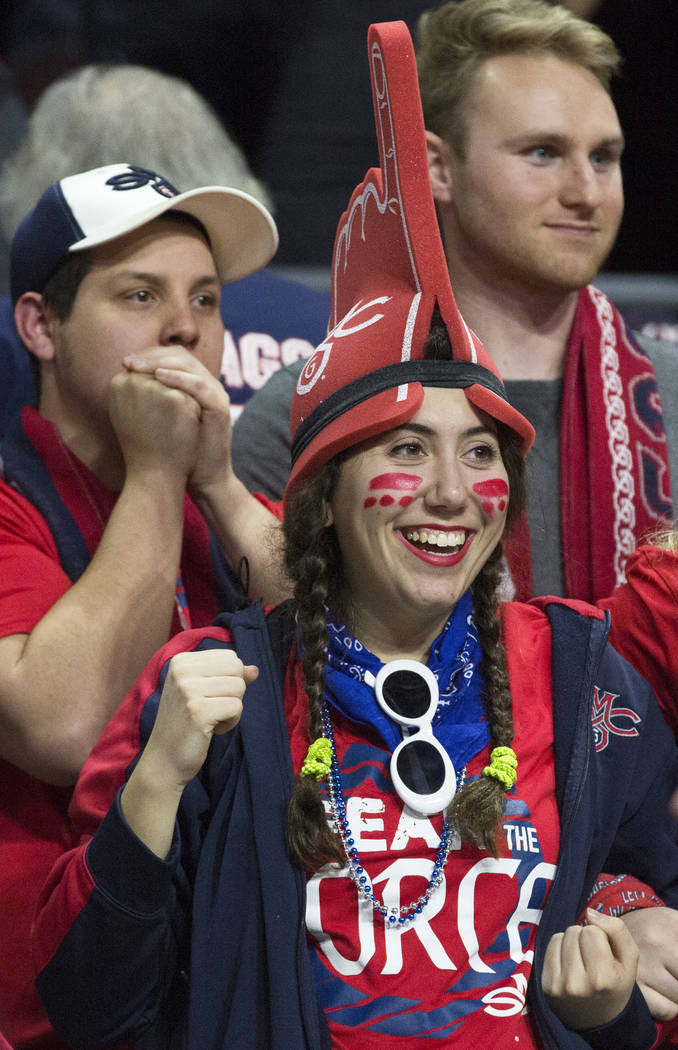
[116, 111]
[101, 113]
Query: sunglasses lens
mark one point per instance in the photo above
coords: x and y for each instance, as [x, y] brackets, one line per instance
[407, 694]
[420, 767]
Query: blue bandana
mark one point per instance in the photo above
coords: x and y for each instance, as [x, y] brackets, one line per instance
[459, 722]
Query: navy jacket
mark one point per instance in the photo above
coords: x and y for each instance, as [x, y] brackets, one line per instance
[128, 968]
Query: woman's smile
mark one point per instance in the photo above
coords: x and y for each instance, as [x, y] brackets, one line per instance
[436, 544]
[417, 512]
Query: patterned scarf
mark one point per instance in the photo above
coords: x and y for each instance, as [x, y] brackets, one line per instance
[614, 480]
[459, 722]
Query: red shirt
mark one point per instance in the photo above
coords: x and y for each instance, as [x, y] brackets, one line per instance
[644, 613]
[31, 578]
[459, 974]
[33, 815]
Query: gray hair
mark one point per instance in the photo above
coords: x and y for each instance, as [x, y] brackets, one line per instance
[104, 114]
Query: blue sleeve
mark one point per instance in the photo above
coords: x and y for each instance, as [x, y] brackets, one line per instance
[133, 917]
[632, 1029]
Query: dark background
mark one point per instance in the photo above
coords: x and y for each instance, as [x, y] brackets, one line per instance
[290, 80]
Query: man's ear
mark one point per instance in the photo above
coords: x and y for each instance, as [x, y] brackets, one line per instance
[329, 516]
[34, 324]
[439, 167]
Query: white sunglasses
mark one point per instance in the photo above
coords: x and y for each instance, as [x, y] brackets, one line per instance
[421, 769]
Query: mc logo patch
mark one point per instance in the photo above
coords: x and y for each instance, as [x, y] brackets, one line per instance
[605, 718]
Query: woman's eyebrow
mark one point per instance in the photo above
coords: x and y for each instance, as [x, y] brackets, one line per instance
[417, 428]
[421, 428]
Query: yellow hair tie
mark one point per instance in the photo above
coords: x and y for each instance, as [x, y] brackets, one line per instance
[318, 761]
[503, 766]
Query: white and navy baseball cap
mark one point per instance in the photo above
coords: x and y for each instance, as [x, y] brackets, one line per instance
[82, 211]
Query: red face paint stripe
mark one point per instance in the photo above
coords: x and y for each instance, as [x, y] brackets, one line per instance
[495, 487]
[401, 482]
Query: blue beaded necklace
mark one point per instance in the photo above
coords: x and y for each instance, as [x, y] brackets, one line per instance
[396, 918]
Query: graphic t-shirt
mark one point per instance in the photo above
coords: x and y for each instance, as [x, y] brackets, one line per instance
[458, 975]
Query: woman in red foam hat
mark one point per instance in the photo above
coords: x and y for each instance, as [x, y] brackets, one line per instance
[372, 818]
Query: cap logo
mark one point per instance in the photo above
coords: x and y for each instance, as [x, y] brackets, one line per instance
[136, 178]
[317, 363]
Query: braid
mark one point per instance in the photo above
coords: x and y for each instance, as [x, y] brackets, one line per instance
[476, 810]
[495, 672]
[312, 561]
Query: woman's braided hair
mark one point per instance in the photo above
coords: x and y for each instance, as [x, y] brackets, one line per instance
[313, 562]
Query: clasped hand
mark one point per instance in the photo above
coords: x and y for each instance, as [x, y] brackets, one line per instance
[168, 405]
[589, 971]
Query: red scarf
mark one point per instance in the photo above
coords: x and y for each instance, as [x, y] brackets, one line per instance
[614, 468]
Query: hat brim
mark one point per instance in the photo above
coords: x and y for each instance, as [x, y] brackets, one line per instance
[503, 412]
[373, 416]
[243, 236]
[383, 412]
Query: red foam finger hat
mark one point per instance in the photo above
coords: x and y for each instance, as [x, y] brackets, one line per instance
[388, 273]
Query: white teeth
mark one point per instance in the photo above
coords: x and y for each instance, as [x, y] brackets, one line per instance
[437, 538]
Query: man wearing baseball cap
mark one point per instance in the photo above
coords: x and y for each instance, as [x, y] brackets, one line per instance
[110, 489]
